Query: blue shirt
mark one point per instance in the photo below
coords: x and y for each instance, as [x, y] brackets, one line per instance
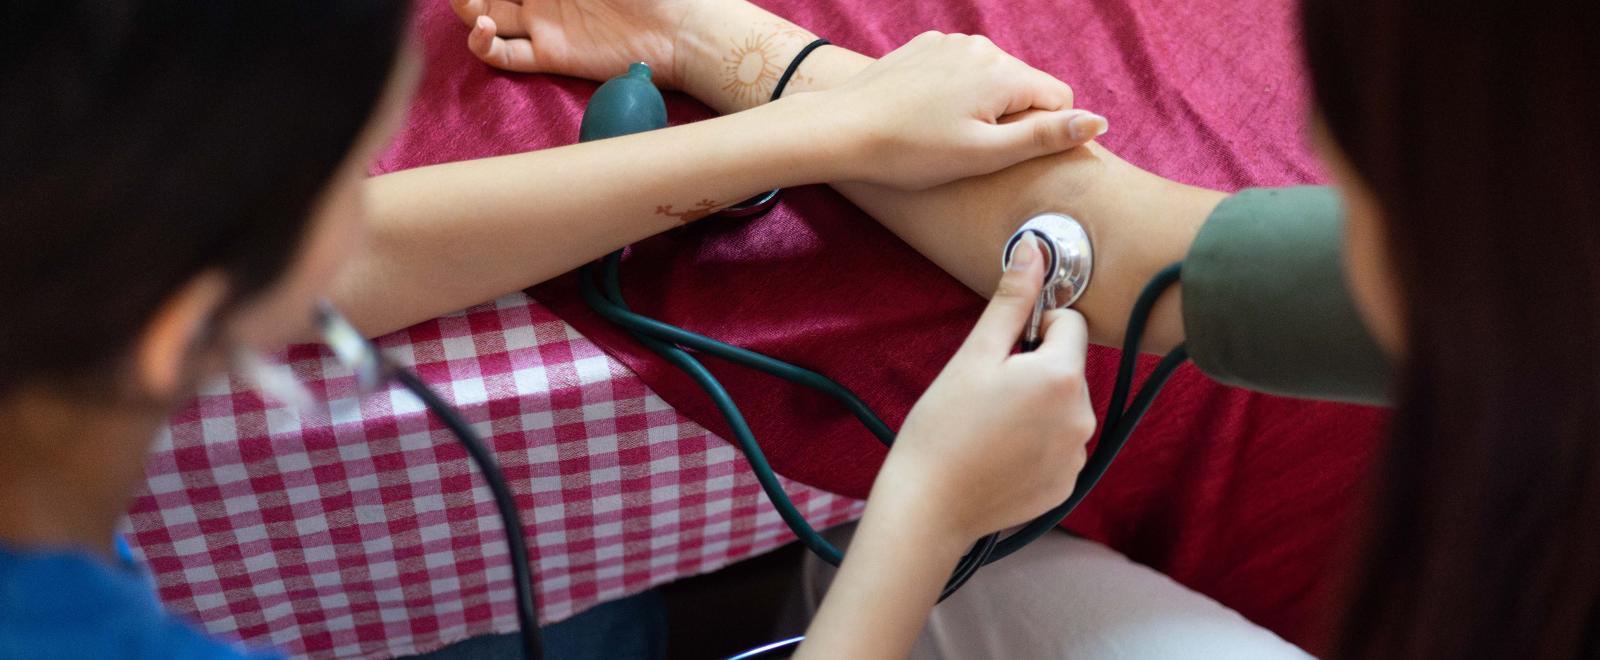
[66, 604]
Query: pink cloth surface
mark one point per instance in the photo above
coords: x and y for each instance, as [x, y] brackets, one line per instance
[1239, 495]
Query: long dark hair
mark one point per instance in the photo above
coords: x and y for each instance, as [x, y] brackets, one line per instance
[143, 142]
[1475, 126]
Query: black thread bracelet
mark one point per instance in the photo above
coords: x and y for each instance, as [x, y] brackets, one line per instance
[765, 201]
[794, 65]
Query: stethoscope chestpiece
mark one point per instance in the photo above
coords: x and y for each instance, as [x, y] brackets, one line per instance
[1067, 252]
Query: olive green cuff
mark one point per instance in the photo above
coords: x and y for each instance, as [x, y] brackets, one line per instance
[1265, 303]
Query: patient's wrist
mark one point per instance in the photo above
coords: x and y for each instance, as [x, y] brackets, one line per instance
[806, 143]
[731, 53]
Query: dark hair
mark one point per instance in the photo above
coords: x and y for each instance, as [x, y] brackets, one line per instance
[1474, 126]
[143, 142]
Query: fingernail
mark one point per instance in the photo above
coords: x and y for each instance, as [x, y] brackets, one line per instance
[1087, 126]
[1024, 254]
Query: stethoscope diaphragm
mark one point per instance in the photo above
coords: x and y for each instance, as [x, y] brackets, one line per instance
[1067, 252]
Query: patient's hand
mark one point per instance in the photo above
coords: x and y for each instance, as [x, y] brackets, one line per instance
[594, 39]
[727, 53]
[944, 107]
[940, 108]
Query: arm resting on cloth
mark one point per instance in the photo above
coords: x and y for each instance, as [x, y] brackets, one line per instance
[1263, 303]
[448, 236]
[1139, 222]
[1247, 327]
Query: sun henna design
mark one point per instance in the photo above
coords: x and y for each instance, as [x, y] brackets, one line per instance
[700, 210]
[750, 69]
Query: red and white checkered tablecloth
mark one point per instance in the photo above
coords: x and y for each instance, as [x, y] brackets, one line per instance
[363, 531]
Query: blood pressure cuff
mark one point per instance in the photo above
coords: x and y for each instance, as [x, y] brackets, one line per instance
[1265, 303]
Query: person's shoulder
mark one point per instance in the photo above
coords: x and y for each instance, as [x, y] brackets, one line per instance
[71, 605]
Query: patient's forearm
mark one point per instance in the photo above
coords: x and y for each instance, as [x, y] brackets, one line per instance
[1139, 222]
[445, 237]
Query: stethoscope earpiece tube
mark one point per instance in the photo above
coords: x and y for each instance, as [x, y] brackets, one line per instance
[505, 505]
[373, 370]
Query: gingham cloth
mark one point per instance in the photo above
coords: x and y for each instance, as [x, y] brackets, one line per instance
[363, 531]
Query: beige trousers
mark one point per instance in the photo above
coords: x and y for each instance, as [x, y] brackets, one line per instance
[1066, 597]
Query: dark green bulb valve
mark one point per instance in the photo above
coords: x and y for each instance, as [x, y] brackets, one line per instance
[626, 104]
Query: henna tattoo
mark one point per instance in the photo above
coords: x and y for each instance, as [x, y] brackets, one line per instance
[751, 68]
[700, 210]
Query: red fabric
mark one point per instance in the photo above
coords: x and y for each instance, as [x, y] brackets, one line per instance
[1241, 496]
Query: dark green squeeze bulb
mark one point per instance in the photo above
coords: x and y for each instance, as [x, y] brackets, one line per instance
[630, 103]
[626, 104]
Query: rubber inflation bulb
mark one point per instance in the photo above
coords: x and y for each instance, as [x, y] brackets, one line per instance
[629, 103]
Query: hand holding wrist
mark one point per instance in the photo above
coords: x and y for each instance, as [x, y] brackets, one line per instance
[945, 107]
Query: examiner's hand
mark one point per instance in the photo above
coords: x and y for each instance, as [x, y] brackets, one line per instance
[949, 106]
[998, 438]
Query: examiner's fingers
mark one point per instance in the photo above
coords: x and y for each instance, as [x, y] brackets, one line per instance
[506, 14]
[1037, 133]
[1066, 340]
[1001, 324]
[508, 54]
